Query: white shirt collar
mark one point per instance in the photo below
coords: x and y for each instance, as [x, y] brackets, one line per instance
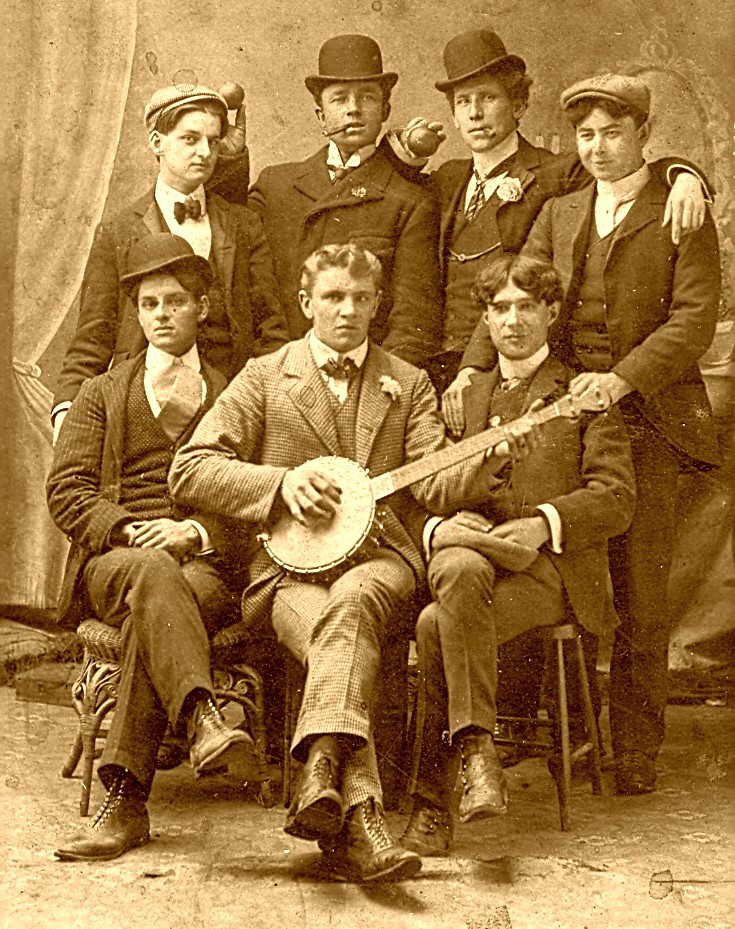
[523, 368]
[334, 158]
[156, 359]
[166, 196]
[321, 353]
[625, 188]
[486, 162]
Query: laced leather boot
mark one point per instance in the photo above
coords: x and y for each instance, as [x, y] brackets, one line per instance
[484, 789]
[212, 744]
[366, 851]
[317, 812]
[121, 823]
[429, 831]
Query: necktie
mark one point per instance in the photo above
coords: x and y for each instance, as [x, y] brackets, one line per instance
[339, 173]
[477, 200]
[187, 209]
[344, 370]
[178, 390]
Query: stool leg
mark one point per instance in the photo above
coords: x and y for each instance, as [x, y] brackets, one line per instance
[564, 784]
[590, 721]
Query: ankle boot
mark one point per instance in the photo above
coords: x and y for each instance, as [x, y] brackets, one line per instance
[212, 743]
[484, 789]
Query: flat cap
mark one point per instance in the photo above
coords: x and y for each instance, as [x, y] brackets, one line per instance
[161, 251]
[168, 98]
[619, 88]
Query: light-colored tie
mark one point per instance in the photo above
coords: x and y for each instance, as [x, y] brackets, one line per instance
[178, 389]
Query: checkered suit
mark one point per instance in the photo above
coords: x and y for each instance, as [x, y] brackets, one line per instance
[275, 415]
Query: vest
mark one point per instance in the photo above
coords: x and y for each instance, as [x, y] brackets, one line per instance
[345, 417]
[590, 338]
[147, 456]
[505, 406]
[473, 246]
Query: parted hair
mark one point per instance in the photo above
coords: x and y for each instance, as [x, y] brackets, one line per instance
[350, 256]
[537, 278]
[582, 109]
[168, 121]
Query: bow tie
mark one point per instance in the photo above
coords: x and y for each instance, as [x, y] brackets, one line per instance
[188, 209]
[343, 370]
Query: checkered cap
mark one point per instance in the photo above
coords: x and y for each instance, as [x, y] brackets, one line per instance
[621, 88]
[168, 98]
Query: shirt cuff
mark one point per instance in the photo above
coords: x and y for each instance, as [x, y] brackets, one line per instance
[402, 152]
[429, 526]
[206, 543]
[554, 520]
[60, 408]
[671, 177]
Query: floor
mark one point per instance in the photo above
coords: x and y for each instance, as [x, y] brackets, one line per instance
[218, 859]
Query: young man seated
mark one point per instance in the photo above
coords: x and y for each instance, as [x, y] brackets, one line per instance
[138, 561]
[332, 393]
[534, 547]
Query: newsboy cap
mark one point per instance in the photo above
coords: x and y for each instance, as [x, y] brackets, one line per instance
[619, 88]
[349, 58]
[169, 98]
[471, 53]
[162, 251]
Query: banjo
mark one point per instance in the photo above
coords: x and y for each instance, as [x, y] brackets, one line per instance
[319, 552]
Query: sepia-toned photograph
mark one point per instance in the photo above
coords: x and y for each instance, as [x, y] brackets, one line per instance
[367, 468]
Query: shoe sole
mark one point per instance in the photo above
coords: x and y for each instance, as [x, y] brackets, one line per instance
[322, 819]
[486, 811]
[64, 855]
[401, 871]
[423, 851]
[236, 751]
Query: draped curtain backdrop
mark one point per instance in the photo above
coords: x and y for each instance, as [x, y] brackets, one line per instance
[74, 61]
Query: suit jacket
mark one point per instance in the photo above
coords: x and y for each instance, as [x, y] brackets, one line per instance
[276, 415]
[374, 206]
[84, 486]
[583, 468]
[661, 308]
[108, 331]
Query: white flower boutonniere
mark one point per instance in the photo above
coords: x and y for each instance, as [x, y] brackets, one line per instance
[359, 192]
[390, 387]
[510, 190]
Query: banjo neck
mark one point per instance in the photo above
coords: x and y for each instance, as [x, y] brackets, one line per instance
[384, 485]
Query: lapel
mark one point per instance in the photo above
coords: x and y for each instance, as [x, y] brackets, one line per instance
[476, 400]
[549, 381]
[458, 174]
[308, 393]
[222, 224]
[525, 160]
[373, 404]
[147, 209]
[647, 208]
[363, 185]
[116, 390]
[571, 227]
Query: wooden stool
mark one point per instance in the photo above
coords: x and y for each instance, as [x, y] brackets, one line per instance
[94, 695]
[561, 755]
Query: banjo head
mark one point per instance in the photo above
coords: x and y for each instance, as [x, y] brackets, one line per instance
[311, 552]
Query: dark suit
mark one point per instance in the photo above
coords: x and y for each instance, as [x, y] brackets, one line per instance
[166, 610]
[661, 310]
[108, 331]
[583, 468]
[376, 208]
[274, 416]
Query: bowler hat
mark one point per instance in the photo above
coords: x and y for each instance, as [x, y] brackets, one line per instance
[349, 58]
[162, 251]
[620, 88]
[474, 52]
[169, 98]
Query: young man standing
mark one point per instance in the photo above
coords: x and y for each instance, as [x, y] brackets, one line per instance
[638, 314]
[349, 192]
[331, 393]
[138, 561]
[490, 200]
[186, 126]
[536, 542]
